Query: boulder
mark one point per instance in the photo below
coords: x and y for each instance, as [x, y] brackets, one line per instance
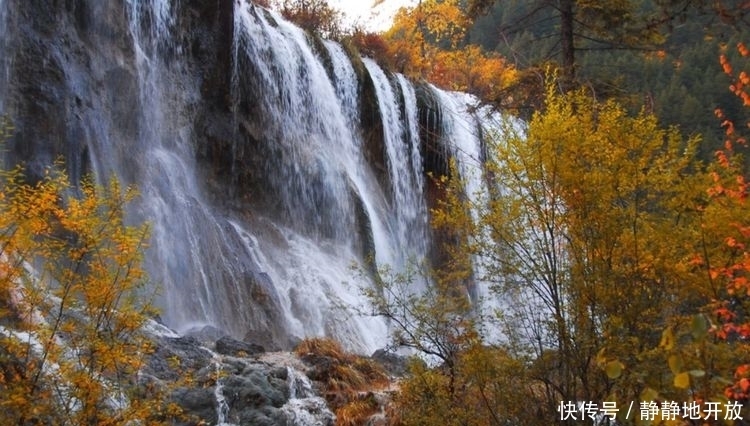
[394, 364]
[232, 347]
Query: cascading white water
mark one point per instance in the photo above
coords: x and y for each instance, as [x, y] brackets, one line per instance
[408, 210]
[279, 266]
[417, 213]
[201, 257]
[304, 408]
[311, 269]
[300, 385]
[467, 126]
[345, 81]
[186, 232]
[319, 176]
[462, 128]
[347, 89]
[305, 122]
[222, 407]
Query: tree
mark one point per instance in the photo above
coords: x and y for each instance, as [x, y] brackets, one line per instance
[706, 339]
[316, 16]
[586, 228]
[586, 231]
[577, 26]
[728, 266]
[457, 378]
[428, 41]
[418, 32]
[488, 388]
[71, 306]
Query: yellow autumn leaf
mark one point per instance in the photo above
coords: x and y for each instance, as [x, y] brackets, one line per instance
[682, 380]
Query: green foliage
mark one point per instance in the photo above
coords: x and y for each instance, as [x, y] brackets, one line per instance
[671, 68]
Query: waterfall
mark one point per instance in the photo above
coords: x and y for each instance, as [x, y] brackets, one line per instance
[402, 150]
[222, 407]
[304, 122]
[346, 84]
[303, 407]
[299, 384]
[462, 128]
[416, 218]
[189, 254]
[468, 126]
[319, 176]
[250, 146]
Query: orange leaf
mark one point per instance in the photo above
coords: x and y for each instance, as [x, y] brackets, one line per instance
[729, 125]
[742, 370]
[729, 393]
[740, 282]
[696, 260]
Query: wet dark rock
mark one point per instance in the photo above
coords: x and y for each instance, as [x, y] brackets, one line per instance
[267, 416]
[321, 366]
[281, 373]
[170, 352]
[246, 389]
[206, 335]
[396, 365]
[198, 403]
[228, 346]
[254, 390]
[435, 153]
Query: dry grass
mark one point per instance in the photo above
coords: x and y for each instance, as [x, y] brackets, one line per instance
[322, 346]
[345, 379]
[357, 412]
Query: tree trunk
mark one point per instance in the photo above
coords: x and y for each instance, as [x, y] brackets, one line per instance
[567, 41]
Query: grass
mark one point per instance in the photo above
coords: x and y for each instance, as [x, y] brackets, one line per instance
[347, 380]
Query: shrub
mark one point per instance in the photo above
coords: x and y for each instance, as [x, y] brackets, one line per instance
[71, 309]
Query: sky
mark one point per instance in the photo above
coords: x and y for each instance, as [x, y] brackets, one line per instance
[362, 12]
